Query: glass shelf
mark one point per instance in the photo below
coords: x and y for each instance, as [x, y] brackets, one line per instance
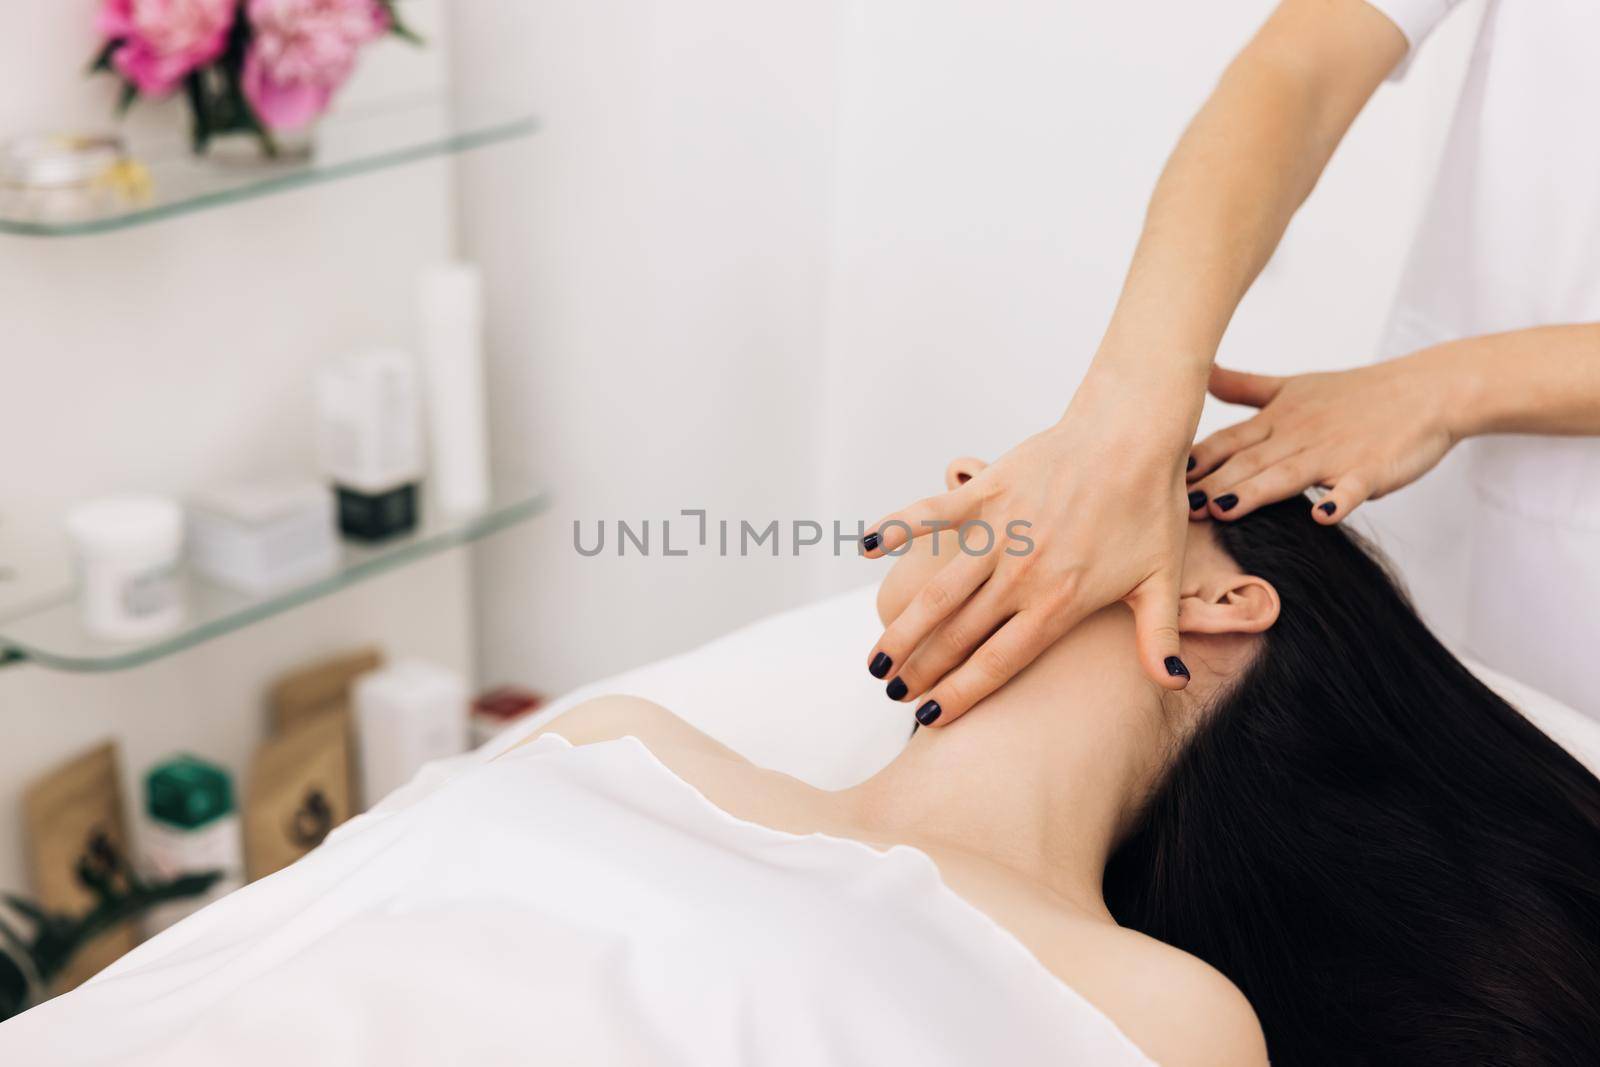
[356, 141]
[51, 633]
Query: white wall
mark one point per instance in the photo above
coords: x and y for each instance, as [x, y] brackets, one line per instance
[178, 354]
[787, 259]
[993, 171]
[656, 308]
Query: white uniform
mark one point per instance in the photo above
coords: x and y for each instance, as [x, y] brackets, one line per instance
[1502, 549]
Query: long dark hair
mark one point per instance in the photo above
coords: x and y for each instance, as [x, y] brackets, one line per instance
[1390, 862]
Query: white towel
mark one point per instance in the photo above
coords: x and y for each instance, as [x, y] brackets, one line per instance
[578, 906]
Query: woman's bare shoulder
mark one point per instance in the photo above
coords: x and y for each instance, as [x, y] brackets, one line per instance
[608, 718]
[1178, 1009]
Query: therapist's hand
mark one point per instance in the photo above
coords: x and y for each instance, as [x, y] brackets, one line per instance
[1102, 493]
[1361, 433]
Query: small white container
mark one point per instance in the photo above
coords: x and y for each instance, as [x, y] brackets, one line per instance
[407, 714]
[127, 550]
[261, 536]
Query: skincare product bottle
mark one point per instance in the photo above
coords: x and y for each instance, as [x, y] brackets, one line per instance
[127, 551]
[497, 710]
[407, 714]
[370, 439]
[192, 827]
[450, 297]
[260, 536]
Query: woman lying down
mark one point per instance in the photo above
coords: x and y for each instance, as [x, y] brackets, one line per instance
[1335, 846]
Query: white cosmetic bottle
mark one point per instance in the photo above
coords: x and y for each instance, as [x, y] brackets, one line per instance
[369, 434]
[450, 299]
[407, 714]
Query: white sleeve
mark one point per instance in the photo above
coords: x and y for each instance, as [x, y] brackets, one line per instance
[1415, 19]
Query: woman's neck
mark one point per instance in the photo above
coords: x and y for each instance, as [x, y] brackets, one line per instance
[1040, 778]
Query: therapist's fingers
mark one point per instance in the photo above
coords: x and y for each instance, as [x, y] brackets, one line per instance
[951, 642]
[944, 594]
[1348, 493]
[1239, 387]
[1278, 481]
[1210, 454]
[1155, 624]
[1247, 463]
[890, 533]
[1014, 646]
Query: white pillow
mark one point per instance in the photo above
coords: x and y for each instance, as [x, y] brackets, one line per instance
[1568, 727]
[792, 693]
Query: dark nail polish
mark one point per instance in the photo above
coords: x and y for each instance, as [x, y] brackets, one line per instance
[1226, 501]
[1190, 467]
[869, 543]
[928, 714]
[880, 665]
[896, 689]
[1328, 507]
[1197, 500]
[1176, 668]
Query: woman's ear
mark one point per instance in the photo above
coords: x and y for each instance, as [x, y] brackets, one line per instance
[1231, 604]
[963, 470]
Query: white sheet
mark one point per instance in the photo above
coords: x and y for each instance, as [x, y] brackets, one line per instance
[578, 906]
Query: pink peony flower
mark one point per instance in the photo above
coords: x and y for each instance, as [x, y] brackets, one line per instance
[164, 40]
[302, 52]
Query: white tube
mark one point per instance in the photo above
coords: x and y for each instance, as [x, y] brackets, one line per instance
[451, 303]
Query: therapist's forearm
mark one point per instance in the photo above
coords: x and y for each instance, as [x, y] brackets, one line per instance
[1247, 161]
[1544, 380]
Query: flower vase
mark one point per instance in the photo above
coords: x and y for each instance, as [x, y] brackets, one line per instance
[248, 148]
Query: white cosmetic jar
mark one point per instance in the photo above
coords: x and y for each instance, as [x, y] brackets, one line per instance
[127, 550]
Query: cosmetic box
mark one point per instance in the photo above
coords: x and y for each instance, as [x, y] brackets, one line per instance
[261, 536]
